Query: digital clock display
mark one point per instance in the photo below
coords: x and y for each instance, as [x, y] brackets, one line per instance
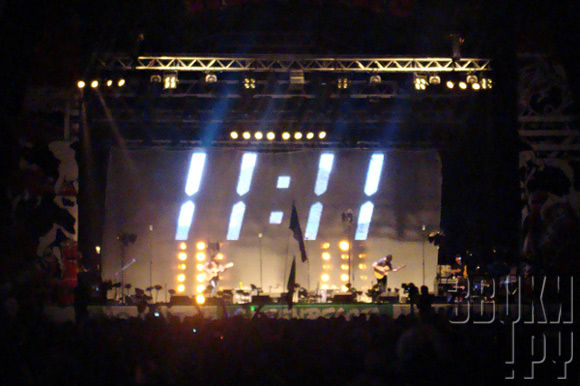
[242, 199]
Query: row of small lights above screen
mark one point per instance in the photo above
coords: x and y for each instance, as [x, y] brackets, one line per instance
[271, 136]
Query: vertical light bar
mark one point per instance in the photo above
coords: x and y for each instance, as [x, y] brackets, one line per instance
[184, 220]
[196, 166]
[374, 174]
[192, 185]
[313, 222]
[364, 221]
[246, 173]
[324, 170]
[236, 221]
[244, 183]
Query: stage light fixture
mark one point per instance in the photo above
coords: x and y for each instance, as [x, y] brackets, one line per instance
[450, 84]
[344, 277]
[233, 134]
[344, 267]
[434, 79]
[325, 245]
[181, 278]
[324, 277]
[297, 135]
[246, 135]
[155, 78]
[322, 135]
[200, 256]
[375, 79]
[98, 249]
[81, 84]
[182, 267]
[219, 256]
[343, 245]
[363, 277]
[476, 86]
[249, 83]
[258, 135]
[109, 83]
[470, 79]
[327, 267]
[462, 85]
[296, 80]
[200, 299]
[271, 136]
[201, 276]
[420, 82]
[121, 82]
[285, 136]
[182, 256]
[181, 288]
[342, 83]
[344, 256]
[170, 81]
[201, 245]
[211, 78]
[309, 135]
[183, 246]
[325, 256]
[486, 83]
[200, 288]
[362, 266]
[324, 286]
[200, 267]
[95, 84]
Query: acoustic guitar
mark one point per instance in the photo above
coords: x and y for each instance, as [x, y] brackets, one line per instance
[381, 272]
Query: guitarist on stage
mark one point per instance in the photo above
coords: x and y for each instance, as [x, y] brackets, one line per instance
[213, 268]
[381, 268]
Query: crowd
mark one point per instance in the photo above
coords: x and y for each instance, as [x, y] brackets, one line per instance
[424, 348]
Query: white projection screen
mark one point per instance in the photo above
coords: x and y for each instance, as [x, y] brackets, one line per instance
[238, 194]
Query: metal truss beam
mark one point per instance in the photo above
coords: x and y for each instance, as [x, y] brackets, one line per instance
[280, 63]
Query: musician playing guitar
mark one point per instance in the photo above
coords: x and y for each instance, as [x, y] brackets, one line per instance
[381, 268]
[213, 268]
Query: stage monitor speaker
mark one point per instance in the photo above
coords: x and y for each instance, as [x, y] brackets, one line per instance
[181, 300]
[343, 298]
[261, 299]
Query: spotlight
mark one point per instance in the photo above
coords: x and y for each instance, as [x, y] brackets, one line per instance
[182, 256]
[285, 136]
[182, 267]
[343, 245]
[200, 288]
[375, 79]
[309, 135]
[219, 256]
[434, 79]
[343, 83]
[201, 245]
[246, 135]
[200, 256]
[475, 86]
[297, 135]
[180, 288]
[249, 83]
[121, 82]
[344, 277]
[211, 78]
[95, 84]
[258, 135]
[450, 84]
[486, 83]
[322, 135]
[181, 278]
[325, 256]
[200, 299]
[109, 83]
[344, 267]
[462, 85]
[420, 82]
[183, 246]
[270, 136]
[201, 276]
[200, 267]
[324, 277]
[233, 134]
[170, 81]
[325, 245]
[470, 79]
[81, 84]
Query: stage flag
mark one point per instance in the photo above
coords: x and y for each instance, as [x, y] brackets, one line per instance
[291, 283]
[295, 227]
